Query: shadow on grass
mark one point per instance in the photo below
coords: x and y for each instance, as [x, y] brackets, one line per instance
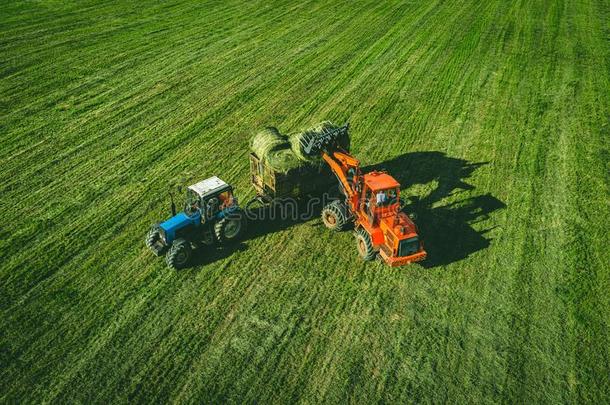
[268, 222]
[447, 229]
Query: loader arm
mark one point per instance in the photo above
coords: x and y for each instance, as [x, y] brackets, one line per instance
[340, 163]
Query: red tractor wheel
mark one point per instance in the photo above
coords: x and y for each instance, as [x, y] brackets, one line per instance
[364, 245]
[334, 216]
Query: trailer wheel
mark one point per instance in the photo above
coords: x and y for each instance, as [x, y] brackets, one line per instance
[334, 216]
[364, 245]
[179, 255]
[231, 227]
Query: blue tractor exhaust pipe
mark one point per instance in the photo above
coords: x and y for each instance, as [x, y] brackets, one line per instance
[171, 197]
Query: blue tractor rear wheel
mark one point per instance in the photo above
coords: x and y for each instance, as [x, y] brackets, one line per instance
[231, 227]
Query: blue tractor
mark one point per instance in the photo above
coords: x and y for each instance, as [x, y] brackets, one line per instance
[211, 215]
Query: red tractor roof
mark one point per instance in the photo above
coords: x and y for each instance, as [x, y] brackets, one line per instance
[380, 181]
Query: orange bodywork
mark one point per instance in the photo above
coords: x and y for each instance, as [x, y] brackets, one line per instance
[393, 234]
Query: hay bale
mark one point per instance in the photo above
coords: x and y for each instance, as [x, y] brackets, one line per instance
[268, 140]
[283, 160]
[296, 144]
[283, 153]
[274, 149]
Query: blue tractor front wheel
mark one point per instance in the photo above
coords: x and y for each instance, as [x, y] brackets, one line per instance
[179, 254]
[154, 241]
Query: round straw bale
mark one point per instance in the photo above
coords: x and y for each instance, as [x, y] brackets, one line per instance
[283, 160]
[267, 140]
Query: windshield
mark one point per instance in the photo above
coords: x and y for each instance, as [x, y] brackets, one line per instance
[386, 197]
[192, 202]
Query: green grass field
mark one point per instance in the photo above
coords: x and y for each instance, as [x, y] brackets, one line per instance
[494, 115]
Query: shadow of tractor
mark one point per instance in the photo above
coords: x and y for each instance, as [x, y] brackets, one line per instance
[426, 179]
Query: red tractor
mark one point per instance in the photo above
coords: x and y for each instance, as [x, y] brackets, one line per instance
[372, 204]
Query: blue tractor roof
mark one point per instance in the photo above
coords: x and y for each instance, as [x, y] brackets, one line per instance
[209, 186]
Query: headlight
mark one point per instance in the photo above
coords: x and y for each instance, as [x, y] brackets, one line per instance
[162, 235]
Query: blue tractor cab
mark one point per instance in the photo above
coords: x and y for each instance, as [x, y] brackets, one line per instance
[211, 215]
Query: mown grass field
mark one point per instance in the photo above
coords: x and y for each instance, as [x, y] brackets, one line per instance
[494, 115]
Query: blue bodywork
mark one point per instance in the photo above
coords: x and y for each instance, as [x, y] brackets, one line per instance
[179, 221]
[183, 220]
